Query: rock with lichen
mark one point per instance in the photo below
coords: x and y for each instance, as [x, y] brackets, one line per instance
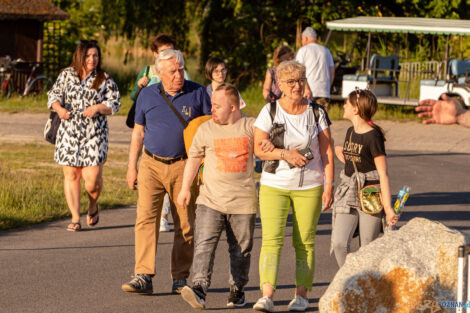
[405, 271]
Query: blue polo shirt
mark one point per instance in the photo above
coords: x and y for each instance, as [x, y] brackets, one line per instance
[163, 130]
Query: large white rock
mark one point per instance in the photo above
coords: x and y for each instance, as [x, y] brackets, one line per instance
[403, 271]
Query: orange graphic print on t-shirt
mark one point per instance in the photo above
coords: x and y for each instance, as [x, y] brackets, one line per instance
[232, 154]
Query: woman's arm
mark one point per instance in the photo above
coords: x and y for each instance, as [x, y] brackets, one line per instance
[381, 165]
[291, 156]
[100, 108]
[63, 113]
[139, 82]
[55, 96]
[339, 153]
[267, 87]
[327, 158]
[111, 103]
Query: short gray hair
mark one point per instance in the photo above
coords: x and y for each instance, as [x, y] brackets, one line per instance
[169, 54]
[287, 68]
[310, 32]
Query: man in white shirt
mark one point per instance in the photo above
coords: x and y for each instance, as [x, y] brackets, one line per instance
[320, 67]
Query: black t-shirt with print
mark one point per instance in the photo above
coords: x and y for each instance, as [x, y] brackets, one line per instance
[362, 148]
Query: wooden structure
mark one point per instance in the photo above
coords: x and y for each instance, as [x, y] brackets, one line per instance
[22, 27]
[405, 25]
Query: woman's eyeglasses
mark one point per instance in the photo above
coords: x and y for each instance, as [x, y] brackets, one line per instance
[220, 72]
[291, 82]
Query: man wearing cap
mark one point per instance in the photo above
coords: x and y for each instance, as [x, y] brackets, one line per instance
[320, 66]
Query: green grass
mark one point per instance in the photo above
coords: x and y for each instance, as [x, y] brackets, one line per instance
[31, 185]
[253, 97]
[25, 104]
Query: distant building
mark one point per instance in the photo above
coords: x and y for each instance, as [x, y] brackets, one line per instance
[22, 27]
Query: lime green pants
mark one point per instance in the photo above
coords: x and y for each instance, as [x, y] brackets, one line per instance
[274, 209]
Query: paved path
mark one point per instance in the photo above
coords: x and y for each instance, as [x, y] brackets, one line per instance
[46, 269]
[400, 136]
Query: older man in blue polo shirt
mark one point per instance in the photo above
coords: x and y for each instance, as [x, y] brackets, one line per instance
[159, 131]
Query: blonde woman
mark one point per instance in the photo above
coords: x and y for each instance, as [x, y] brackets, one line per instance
[300, 174]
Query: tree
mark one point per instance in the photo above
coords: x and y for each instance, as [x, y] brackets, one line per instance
[143, 18]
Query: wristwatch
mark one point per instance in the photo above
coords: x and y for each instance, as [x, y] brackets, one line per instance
[330, 183]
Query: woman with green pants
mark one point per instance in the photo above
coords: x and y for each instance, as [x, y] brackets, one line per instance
[298, 173]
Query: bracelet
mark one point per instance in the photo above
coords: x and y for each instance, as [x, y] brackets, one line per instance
[282, 154]
[330, 183]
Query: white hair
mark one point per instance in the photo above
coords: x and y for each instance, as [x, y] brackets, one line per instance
[169, 54]
[310, 32]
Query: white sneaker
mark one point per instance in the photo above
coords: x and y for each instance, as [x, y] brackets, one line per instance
[298, 304]
[264, 304]
[164, 227]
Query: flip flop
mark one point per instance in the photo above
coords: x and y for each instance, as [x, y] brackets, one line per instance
[74, 227]
[91, 216]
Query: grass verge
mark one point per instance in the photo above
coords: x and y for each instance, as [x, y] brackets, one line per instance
[31, 185]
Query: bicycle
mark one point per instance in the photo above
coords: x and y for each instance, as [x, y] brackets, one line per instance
[6, 86]
[36, 85]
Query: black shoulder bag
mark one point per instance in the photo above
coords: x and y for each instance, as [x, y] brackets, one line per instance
[51, 128]
[131, 114]
[276, 136]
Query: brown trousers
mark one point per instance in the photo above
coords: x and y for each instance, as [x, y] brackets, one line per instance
[154, 179]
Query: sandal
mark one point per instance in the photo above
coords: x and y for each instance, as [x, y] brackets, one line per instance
[74, 227]
[90, 217]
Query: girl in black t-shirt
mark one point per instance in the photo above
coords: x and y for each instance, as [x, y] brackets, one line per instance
[364, 144]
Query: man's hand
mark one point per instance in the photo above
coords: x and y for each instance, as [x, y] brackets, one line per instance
[439, 111]
[184, 197]
[131, 178]
[91, 111]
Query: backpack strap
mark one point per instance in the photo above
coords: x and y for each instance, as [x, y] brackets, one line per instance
[272, 110]
[316, 110]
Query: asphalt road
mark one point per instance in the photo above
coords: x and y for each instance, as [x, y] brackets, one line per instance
[47, 269]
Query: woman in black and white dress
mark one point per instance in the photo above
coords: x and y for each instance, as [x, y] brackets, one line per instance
[82, 96]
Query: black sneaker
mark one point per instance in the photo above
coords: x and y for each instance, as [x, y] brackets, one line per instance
[141, 283]
[236, 297]
[196, 297]
[178, 285]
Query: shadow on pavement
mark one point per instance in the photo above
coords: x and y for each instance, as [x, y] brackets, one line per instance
[255, 288]
[65, 248]
[437, 215]
[439, 198]
[399, 155]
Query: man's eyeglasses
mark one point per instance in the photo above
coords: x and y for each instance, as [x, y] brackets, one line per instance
[291, 82]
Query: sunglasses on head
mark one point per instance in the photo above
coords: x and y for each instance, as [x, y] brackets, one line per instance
[94, 42]
[358, 93]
